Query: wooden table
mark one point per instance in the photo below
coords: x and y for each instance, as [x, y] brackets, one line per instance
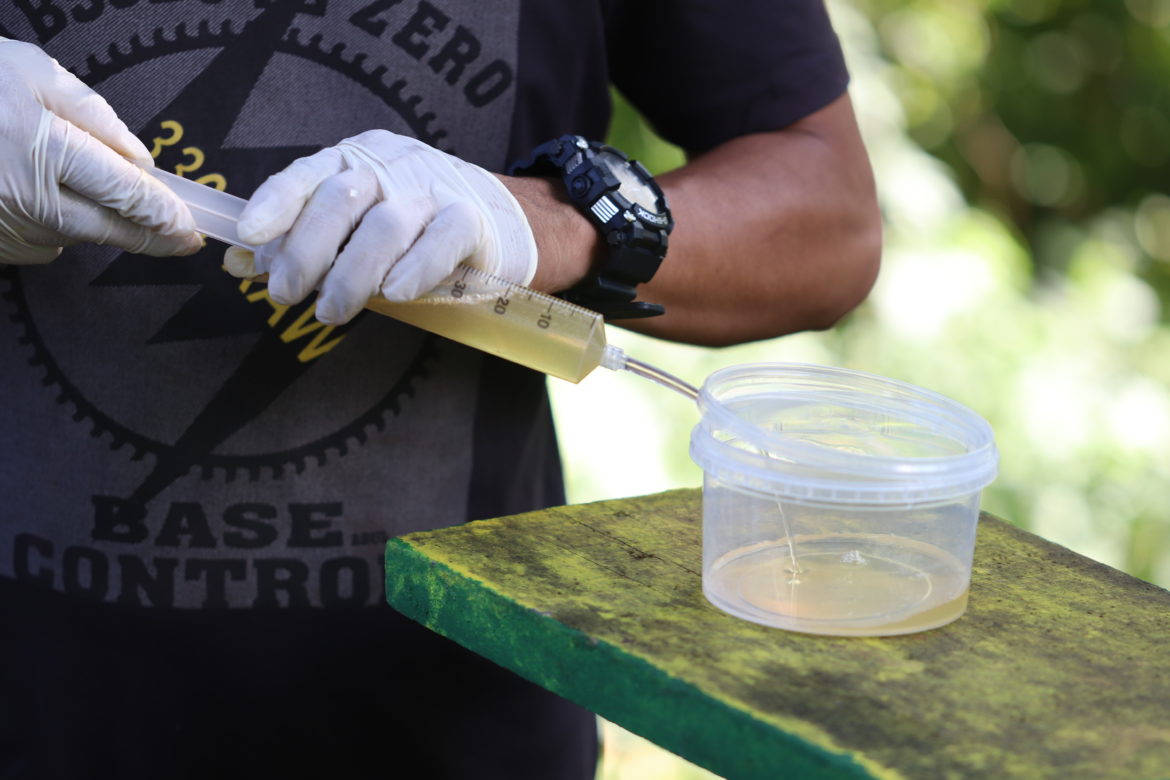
[1060, 668]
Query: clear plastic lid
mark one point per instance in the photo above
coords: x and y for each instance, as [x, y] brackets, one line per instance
[816, 433]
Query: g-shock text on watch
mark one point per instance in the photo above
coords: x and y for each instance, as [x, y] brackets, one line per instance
[621, 198]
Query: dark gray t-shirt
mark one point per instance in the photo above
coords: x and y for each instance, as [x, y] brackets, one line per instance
[183, 441]
[185, 465]
[173, 438]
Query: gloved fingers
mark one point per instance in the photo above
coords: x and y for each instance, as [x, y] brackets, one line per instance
[453, 235]
[248, 263]
[385, 234]
[83, 220]
[326, 221]
[276, 204]
[87, 222]
[95, 171]
[71, 99]
[19, 250]
[240, 262]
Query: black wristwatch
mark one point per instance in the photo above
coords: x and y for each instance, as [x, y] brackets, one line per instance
[621, 198]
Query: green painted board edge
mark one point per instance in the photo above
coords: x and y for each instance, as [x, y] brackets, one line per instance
[1057, 670]
[603, 678]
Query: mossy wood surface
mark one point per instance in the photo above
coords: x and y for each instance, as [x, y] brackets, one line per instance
[1060, 667]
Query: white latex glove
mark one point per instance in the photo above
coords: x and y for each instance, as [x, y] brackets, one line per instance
[65, 176]
[379, 212]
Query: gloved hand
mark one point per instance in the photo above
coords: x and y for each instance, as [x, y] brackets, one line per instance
[379, 212]
[65, 176]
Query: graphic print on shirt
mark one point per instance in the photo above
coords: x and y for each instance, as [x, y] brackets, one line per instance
[224, 449]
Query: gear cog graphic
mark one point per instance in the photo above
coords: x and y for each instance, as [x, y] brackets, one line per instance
[208, 465]
[421, 123]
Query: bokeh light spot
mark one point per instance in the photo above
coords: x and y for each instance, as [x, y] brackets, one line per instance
[1057, 62]
[1144, 134]
[1046, 175]
[1152, 226]
[1153, 13]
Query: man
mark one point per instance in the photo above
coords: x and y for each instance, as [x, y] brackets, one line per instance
[200, 472]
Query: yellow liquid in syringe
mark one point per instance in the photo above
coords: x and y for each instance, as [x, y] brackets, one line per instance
[515, 323]
[469, 306]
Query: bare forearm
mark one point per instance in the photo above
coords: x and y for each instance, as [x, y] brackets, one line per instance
[775, 233]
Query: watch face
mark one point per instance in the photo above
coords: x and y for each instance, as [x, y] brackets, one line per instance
[632, 187]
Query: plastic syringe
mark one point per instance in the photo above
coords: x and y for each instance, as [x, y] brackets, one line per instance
[469, 306]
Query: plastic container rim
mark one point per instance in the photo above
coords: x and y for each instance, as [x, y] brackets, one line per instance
[881, 478]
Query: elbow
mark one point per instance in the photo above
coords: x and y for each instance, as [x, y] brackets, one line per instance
[860, 254]
[845, 258]
[847, 265]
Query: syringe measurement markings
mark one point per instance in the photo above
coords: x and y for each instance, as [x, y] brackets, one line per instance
[471, 287]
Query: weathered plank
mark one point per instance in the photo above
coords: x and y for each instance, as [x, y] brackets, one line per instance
[1060, 668]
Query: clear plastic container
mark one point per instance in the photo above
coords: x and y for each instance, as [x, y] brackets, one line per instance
[837, 502]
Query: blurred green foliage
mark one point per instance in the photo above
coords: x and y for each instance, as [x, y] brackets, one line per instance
[1021, 149]
[1049, 113]
[1053, 117]
[1022, 152]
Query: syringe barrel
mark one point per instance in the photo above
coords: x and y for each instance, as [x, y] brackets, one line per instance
[215, 212]
[512, 322]
[470, 306]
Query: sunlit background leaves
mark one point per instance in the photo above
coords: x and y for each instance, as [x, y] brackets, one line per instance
[1022, 152]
